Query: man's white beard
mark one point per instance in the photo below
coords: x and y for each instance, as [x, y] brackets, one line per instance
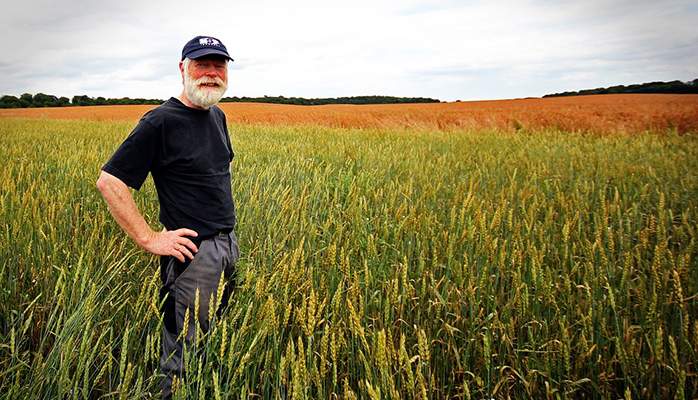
[204, 96]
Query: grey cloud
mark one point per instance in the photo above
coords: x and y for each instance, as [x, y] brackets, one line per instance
[441, 48]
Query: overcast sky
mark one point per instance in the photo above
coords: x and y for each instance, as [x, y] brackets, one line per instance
[444, 49]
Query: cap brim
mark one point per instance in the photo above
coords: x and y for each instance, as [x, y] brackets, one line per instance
[207, 52]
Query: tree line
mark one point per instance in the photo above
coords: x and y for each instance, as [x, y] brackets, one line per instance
[338, 100]
[673, 87]
[28, 100]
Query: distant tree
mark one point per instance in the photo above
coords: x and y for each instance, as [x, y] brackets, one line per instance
[47, 100]
[82, 101]
[9, 102]
[44, 100]
[26, 100]
[673, 87]
[340, 100]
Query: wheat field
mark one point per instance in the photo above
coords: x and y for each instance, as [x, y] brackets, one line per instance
[525, 253]
[600, 114]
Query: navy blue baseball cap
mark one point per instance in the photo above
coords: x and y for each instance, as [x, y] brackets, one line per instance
[204, 46]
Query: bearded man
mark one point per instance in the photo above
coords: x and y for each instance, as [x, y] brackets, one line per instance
[184, 144]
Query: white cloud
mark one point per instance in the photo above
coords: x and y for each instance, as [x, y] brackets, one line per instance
[444, 49]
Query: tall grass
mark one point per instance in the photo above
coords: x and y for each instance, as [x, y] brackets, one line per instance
[376, 264]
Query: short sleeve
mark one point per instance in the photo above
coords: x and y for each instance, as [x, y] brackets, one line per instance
[136, 156]
[227, 138]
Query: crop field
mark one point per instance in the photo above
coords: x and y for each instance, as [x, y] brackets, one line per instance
[522, 249]
[627, 113]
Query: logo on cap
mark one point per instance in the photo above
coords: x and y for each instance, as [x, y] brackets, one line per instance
[209, 42]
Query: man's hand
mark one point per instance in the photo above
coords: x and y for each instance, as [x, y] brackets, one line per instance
[172, 243]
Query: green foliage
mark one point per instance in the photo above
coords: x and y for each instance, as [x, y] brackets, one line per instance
[673, 87]
[376, 264]
[339, 100]
[101, 101]
[43, 100]
[27, 100]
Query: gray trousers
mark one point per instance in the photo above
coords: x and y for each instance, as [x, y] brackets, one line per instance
[180, 283]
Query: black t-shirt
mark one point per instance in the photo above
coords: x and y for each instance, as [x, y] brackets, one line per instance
[188, 153]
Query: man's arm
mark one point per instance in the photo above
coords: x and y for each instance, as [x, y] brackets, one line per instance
[120, 201]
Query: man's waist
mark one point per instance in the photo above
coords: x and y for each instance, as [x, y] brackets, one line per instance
[222, 232]
[197, 240]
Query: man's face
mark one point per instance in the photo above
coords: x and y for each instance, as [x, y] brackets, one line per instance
[205, 80]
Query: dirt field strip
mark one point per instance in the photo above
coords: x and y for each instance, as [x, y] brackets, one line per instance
[627, 113]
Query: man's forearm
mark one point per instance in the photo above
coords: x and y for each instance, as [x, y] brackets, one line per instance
[120, 202]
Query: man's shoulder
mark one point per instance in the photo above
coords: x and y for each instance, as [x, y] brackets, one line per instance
[218, 112]
[162, 113]
[169, 106]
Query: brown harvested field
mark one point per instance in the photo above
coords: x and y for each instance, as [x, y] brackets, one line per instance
[628, 113]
